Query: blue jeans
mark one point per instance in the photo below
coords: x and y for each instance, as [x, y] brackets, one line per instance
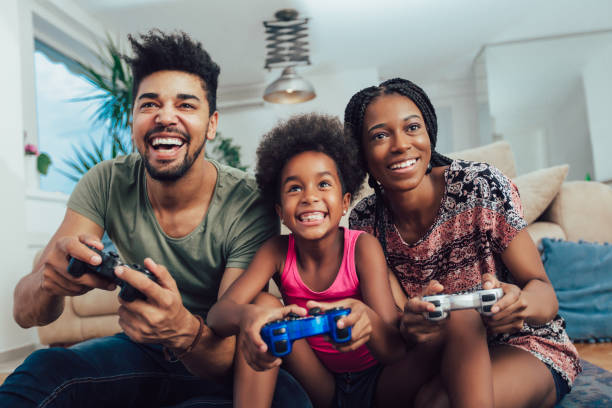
[114, 372]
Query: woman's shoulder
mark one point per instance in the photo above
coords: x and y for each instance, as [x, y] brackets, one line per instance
[478, 180]
[362, 215]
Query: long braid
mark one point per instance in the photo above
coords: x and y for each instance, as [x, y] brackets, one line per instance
[353, 123]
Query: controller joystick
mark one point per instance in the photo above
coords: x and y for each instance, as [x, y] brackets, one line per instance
[481, 300]
[106, 269]
[279, 335]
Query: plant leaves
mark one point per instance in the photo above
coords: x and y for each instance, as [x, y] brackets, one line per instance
[43, 161]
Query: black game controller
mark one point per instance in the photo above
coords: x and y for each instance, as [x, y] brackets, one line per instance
[106, 269]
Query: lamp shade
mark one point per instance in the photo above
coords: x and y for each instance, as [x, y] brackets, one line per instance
[289, 88]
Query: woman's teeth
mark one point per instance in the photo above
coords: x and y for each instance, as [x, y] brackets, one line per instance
[403, 164]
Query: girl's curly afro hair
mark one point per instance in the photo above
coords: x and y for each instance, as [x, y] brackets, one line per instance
[304, 133]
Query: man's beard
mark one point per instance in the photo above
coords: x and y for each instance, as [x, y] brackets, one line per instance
[174, 173]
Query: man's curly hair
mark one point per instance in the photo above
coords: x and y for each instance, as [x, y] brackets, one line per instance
[304, 133]
[158, 51]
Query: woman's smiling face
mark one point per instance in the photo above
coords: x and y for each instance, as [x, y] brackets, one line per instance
[395, 142]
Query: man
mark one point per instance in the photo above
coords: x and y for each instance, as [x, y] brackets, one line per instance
[200, 220]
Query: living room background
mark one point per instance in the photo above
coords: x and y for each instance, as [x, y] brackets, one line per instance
[474, 106]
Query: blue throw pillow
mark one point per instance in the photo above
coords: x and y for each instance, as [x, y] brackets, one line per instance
[581, 274]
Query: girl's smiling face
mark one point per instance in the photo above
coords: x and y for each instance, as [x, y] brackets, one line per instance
[311, 198]
[395, 142]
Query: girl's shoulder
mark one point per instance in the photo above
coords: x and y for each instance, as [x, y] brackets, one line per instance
[276, 248]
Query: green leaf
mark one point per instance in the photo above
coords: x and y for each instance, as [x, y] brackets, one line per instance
[42, 163]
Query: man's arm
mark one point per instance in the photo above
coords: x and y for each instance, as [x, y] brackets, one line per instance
[39, 296]
[214, 355]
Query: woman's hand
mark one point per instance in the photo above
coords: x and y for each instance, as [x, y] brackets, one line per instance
[254, 349]
[510, 311]
[414, 327]
[358, 320]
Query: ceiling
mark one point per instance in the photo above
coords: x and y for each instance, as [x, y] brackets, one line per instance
[424, 40]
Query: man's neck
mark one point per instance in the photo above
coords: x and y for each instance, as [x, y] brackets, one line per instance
[194, 188]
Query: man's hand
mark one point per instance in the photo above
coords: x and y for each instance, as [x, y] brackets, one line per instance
[414, 327]
[162, 318]
[54, 277]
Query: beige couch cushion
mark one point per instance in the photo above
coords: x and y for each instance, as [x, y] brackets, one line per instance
[538, 188]
[543, 229]
[70, 328]
[96, 302]
[584, 210]
[499, 154]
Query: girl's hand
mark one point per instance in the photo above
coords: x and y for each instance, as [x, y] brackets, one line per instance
[254, 349]
[358, 320]
[414, 327]
[510, 311]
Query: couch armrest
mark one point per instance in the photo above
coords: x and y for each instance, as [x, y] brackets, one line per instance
[584, 210]
[71, 327]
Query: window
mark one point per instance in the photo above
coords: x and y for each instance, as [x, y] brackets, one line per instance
[63, 123]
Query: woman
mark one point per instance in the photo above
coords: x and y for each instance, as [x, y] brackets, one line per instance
[455, 226]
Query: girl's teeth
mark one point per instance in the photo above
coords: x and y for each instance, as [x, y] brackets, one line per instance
[311, 217]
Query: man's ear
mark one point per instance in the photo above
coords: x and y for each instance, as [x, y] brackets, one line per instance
[213, 120]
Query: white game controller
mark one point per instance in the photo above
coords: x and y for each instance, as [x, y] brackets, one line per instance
[481, 300]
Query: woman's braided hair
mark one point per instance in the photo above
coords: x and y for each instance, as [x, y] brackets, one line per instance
[353, 124]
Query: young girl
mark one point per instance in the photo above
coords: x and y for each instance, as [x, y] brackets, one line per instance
[453, 225]
[309, 170]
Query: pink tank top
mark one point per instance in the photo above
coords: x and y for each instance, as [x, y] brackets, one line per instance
[346, 285]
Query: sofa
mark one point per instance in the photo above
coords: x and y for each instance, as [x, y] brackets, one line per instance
[572, 211]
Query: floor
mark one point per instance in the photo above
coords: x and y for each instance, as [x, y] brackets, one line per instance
[598, 354]
[7, 367]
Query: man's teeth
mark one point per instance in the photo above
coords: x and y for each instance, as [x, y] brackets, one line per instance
[403, 164]
[166, 141]
[312, 216]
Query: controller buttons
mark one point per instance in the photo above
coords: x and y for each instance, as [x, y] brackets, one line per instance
[281, 346]
[315, 311]
[486, 308]
[436, 314]
[280, 330]
[488, 297]
[435, 302]
[340, 333]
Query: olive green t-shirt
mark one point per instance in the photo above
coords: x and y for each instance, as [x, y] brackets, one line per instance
[113, 194]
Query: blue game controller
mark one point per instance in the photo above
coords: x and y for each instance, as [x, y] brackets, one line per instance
[280, 334]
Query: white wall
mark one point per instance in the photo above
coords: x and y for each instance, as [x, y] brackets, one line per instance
[567, 135]
[457, 110]
[245, 122]
[246, 125]
[12, 211]
[597, 77]
[28, 217]
[537, 103]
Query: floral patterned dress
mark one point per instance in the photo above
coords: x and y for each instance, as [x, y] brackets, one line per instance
[479, 216]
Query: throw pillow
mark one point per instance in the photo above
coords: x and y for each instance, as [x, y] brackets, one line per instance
[581, 274]
[538, 188]
[498, 154]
